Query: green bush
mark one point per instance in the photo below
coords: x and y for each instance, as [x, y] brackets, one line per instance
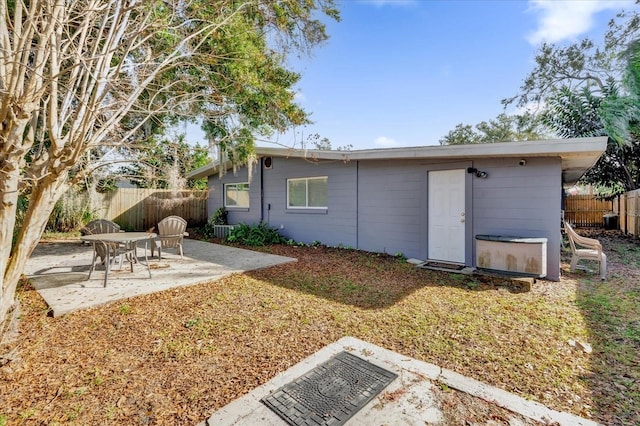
[218, 218]
[255, 235]
[70, 213]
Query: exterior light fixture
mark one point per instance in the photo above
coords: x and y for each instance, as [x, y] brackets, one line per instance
[478, 173]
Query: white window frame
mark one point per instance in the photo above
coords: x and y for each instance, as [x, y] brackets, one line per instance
[235, 185]
[307, 207]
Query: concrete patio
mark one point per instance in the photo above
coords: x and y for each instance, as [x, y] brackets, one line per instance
[59, 270]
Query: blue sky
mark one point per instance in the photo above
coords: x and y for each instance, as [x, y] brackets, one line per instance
[405, 72]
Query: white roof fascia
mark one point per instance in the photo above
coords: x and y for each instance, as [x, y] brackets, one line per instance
[578, 154]
[542, 148]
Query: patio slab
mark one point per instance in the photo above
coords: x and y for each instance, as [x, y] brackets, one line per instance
[59, 270]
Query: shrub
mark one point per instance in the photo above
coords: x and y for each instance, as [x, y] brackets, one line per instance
[255, 235]
[218, 218]
[70, 213]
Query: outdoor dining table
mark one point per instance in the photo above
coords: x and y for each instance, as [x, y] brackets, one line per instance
[127, 240]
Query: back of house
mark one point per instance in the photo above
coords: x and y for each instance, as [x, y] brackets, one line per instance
[431, 203]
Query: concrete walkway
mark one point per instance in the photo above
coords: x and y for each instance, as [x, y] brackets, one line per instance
[59, 270]
[408, 400]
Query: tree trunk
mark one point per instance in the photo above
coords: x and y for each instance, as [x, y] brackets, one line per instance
[9, 200]
[41, 203]
[11, 162]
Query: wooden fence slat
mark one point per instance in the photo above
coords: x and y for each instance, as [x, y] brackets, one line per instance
[586, 210]
[630, 212]
[633, 212]
[139, 209]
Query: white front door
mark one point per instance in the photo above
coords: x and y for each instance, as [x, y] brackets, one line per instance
[447, 216]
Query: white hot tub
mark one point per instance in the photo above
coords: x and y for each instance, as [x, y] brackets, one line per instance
[513, 255]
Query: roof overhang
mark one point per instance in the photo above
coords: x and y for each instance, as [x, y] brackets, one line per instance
[577, 155]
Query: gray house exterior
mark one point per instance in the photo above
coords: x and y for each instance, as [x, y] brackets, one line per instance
[425, 202]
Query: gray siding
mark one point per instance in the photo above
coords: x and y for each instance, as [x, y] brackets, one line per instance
[381, 205]
[236, 215]
[521, 201]
[334, 226]
[392, 207]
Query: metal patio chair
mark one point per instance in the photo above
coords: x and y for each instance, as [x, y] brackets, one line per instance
[107, 251]
[587, 249]
[171, 232]
[100, 226]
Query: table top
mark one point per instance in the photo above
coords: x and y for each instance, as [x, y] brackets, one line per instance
[119, 237]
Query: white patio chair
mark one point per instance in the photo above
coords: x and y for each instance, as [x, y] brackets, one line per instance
[171, 232]
[587, 249]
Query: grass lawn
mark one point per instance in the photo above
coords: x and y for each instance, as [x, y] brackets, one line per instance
[177, 356]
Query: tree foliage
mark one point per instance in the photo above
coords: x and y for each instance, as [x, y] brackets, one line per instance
[255, 77]
[581, 64]
[162, 163]
[82, 79]
[582, 113]
[501, 129]
[591, 89]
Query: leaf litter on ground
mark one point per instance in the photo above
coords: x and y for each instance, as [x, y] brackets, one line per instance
[175, 357]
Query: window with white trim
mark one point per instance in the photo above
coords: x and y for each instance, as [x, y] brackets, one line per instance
[236, 195]
[307, 193]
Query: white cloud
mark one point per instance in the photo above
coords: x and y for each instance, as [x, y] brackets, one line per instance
[385, 142]
[529, 108]
[299, 97]
[561, 19]
[380, 3]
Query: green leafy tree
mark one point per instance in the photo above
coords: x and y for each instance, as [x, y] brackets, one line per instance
[502, 129]
[582, 113]
[80, 80]
[589, 89]
[315, 141]
[621, 111]
[163, 163]
[581, 64]
[255, 76]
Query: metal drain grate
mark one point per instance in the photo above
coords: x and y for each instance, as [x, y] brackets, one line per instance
[331, 393]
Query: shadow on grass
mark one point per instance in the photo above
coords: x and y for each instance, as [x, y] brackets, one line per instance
[611, 310]
[362, 279]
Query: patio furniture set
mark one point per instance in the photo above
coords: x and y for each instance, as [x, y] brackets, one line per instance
[111, 244]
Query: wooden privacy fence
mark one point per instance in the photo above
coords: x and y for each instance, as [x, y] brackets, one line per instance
[586, 210]
[628, 209]
[139, 209]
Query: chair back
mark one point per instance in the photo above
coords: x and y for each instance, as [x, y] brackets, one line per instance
[171, 230]
[572, 235]
[577, 240]
[172, 226]
[101, 226]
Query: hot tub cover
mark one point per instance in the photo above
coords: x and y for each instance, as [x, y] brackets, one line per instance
[511, 239]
